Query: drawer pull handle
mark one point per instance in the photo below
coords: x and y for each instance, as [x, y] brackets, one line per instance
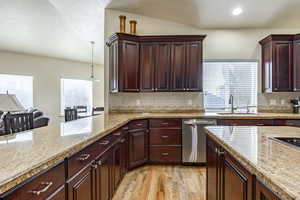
[165, 154]
[47, 186]
[84, 157]
[164, 136]
[164, 123]
[290, 124]
[123, 140]
[139, 124]
[125, 128]
[234, 124]
[117, 134]
[260, 124]
[106, 142]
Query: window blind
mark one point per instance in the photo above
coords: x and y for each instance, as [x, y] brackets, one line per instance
[222, 79]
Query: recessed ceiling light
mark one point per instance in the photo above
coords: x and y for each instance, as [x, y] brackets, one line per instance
[237, 11]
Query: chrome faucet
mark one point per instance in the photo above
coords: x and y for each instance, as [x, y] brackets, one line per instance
[231, 103]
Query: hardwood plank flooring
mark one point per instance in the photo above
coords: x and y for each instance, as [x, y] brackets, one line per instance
[163, 183]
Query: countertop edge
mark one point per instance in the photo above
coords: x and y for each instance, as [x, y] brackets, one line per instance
[254, 170]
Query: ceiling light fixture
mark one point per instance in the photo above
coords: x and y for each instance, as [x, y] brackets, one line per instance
[237, 11]
[92, 77]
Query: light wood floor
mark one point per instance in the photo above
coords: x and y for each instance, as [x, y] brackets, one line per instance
[163, 183]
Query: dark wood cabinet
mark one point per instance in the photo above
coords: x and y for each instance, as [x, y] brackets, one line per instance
[194, 66]
[277, 63]
[138, 148]
[226, 178]
[178, 66]
[116, 167]
[245, 122]
[162, 67]
[296, 62]
[81, 186]
[147, 69]
[263, 193]
[287, 122]
[103, 177]
[155, 63]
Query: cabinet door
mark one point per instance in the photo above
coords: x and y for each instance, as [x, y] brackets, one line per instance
[129, 66]
[124, 155]
[212, 170]
[194, 66]
[237, 182]
[138, 148]
[263, 193]
[178, 66]
[116, 165]
[162, 67]
[113, 67]
[296, 56]
[81, 187]
[282, 77]
[267, 67]
[147, 66]
[104, 177]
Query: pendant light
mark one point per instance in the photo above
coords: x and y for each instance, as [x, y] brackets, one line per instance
[92, 77]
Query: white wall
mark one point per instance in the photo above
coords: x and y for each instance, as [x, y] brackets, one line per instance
[47, 73]
[228, 44]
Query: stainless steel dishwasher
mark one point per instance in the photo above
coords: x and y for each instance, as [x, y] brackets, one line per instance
[194, 141]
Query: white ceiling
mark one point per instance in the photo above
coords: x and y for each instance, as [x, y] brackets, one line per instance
[64, 28]
[56, 28]
[217, 13]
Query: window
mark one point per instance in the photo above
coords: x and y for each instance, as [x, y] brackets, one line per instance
[21, 86]
[222, 79]
[75, 92]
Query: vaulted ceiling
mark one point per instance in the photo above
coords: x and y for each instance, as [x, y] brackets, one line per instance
[56, 28]
[217, 13]
[64, 28]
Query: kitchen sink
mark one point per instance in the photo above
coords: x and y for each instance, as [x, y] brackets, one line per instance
[291, 141]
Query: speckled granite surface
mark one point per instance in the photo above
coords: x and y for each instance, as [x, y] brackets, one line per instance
[25, 154]
[274, 163]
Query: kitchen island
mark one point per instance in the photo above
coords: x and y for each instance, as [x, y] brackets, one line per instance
[27, 154]
[260, 157]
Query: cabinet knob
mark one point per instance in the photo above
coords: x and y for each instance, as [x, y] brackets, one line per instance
[295, 89]
[275, 88]
[99, 163]
[94, 166]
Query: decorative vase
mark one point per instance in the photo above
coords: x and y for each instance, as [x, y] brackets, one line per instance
[122, 23]
[132, 27]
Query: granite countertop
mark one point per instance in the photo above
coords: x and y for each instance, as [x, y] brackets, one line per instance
[275, 164]
[27, 153]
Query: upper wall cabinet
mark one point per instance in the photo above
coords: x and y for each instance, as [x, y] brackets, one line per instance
[277, 63]
[296, 55]
[155, 63]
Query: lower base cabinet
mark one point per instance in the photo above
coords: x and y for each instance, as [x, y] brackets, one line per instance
[226, 178]
[81, 186]
[263, 193]
[60, 194]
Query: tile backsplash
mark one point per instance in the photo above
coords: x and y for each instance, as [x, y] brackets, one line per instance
[156, 102]
[193, 101]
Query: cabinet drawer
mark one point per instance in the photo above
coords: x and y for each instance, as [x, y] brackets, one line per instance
[84, 157]
[245, 122]
[138, 124]
[165, 137]
[163, 123]
[40, 187]
[165, 154]
[290, 122]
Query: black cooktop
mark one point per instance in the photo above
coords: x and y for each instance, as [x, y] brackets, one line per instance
[289, 140]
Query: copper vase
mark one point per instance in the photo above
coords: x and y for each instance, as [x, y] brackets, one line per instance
[122, 23]
[132, 27]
